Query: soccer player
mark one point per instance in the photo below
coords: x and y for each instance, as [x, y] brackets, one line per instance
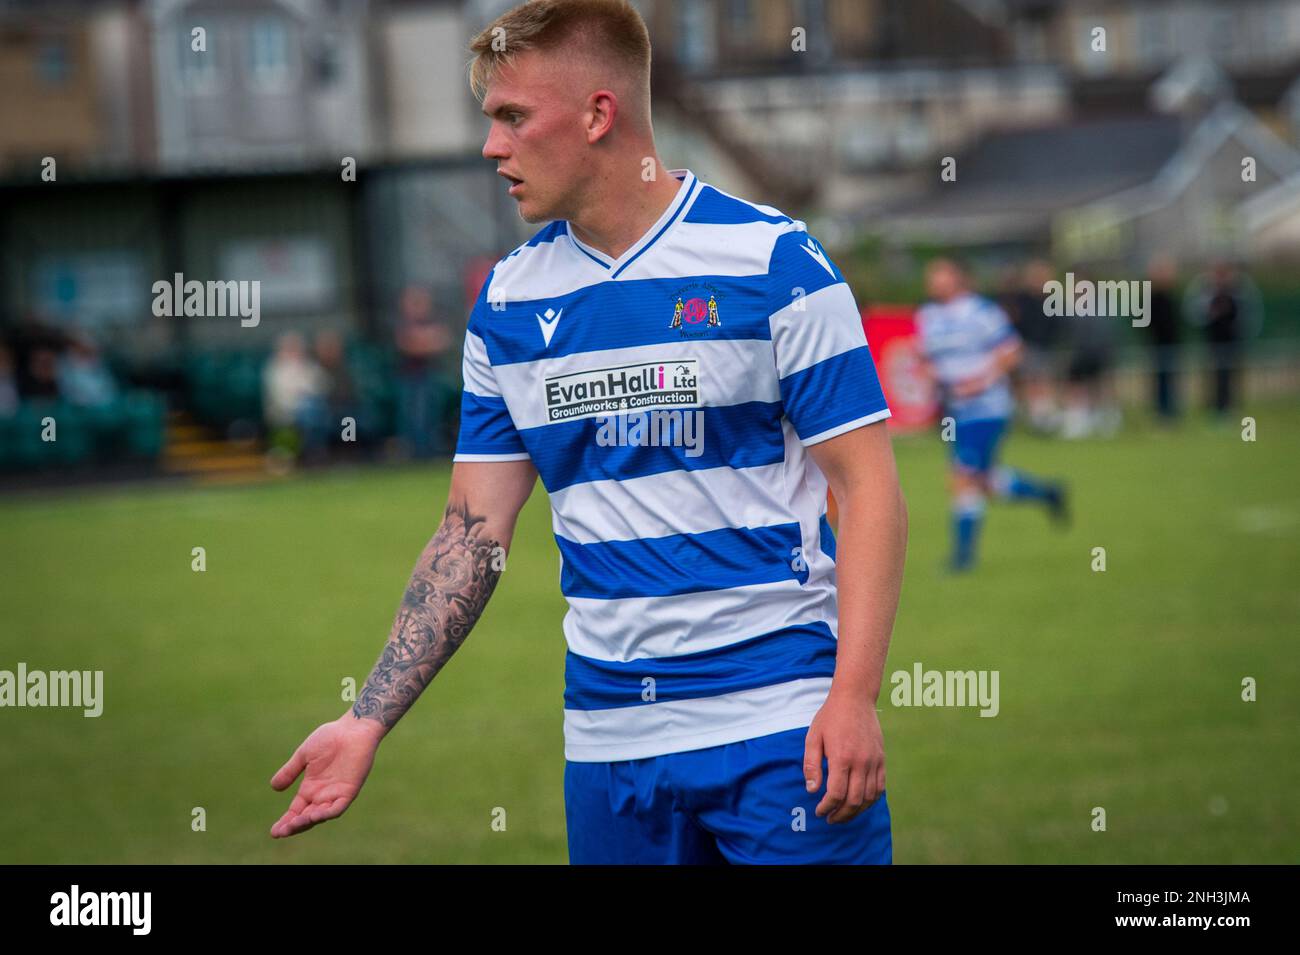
[969, 347]
[687, 373]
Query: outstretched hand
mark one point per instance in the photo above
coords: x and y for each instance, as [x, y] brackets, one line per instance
[337, 757]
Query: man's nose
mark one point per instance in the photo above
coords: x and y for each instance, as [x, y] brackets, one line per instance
[493, 146]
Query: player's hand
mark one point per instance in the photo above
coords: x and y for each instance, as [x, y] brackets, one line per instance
[969, 387]
[337, 757]
[847, 732]
[926, 377]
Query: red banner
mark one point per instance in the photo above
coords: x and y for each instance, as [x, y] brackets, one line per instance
[475, 273]
[891, 335]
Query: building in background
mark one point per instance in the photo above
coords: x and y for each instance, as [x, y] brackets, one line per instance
[830, 103]
[74, 85]
[1271, 222]
[1107, 191]
[263, 82]
[209, 136]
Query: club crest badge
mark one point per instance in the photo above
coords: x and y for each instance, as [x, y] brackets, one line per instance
[695, 311]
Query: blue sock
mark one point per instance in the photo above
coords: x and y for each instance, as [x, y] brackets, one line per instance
[966, 527]
[1018, 486]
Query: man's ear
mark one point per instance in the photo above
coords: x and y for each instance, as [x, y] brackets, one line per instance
[602, 107]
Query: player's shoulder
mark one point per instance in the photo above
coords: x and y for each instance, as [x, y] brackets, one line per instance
[794, 255]
[742, 224]
[536, 268]
[933, 319]
[987, 308]
[541, 245]
[716, 206]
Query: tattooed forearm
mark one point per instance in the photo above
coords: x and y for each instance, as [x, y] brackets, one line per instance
[449, 588]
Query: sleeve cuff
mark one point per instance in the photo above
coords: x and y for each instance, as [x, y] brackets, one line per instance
[484, 458]
[847, 426]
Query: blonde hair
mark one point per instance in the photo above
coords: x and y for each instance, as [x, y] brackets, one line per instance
[608, 32]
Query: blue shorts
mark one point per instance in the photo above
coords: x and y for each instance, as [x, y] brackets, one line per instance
[976, 445]
[735, 803]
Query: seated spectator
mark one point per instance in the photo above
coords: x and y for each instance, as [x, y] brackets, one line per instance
[293, 390]
[42, 374]
[341, 398]
[29, 336]
[83, 378]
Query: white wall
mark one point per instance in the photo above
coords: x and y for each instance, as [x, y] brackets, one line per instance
[430, 107]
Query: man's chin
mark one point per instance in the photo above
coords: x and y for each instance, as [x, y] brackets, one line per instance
[529, 215]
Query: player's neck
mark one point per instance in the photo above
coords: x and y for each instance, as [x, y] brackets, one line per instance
[621, 210]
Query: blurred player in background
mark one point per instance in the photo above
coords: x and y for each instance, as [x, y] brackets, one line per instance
[969, 348]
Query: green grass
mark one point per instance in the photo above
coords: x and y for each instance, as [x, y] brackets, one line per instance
[1118, 689]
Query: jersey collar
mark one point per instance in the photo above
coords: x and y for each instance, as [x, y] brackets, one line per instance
[685, 193]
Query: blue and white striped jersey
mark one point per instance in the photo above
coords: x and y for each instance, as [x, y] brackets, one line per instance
[958, 338]
[667, 398]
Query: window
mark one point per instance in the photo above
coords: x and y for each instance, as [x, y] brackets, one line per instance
[1154, 47]
[198, 68]
[329, 60]
[52, 63]
[695, 45]
[1094, 62]
[268, 51]
[738, 21]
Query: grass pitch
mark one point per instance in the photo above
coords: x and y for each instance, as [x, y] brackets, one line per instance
[1118, 689]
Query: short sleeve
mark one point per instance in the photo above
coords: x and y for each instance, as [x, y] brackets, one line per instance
[487, 432]
[996, 326]
[827, 377]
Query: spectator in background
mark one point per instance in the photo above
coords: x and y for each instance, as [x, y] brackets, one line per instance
[1091, 407]
[1041, 334]
[1226, 304]
[340, 399]
[1165, 335]
[8, 384]
[293, 398]
[42, 381]
[84, 380]
[421, 340]
[86, 383]
[35, 346]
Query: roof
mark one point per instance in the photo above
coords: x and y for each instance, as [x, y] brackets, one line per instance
[1093, 156]
[1012, 182]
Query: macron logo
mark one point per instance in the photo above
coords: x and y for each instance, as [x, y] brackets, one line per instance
[549, 324]
[815, 251]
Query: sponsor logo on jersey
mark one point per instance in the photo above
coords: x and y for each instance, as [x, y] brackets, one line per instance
[643, 386]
